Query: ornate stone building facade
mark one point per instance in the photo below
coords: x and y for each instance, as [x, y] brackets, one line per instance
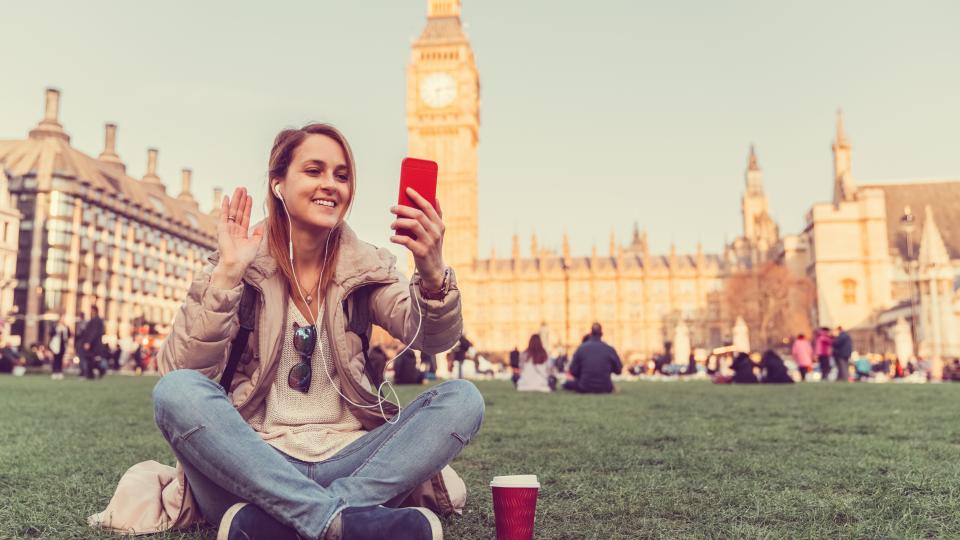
[875, 261]
[9, 236]
[92, 235]
[761, 235]
[638, 296]
[868, 272]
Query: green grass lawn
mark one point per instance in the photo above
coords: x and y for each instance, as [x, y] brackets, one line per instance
[657, 460]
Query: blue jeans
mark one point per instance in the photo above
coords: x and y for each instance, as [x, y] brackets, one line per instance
[226, 461]
[843, 369]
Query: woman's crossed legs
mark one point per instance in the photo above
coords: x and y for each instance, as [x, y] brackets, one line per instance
[226, 462]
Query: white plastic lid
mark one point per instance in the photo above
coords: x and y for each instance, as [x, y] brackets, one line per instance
[516, 480]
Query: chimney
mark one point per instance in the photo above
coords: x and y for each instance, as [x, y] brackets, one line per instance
[151, 176]
[109, 154]
[185, 177]
[50, 125]
[51, 111]
[217, 199]
[152, 161]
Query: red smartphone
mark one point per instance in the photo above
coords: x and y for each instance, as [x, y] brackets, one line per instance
[421, 175]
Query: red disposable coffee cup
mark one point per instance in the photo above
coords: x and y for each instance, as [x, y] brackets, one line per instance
[515, 505]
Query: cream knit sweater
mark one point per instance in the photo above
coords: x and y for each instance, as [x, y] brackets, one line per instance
[310, 426]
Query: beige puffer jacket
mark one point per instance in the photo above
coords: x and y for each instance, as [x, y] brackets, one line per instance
[152, 497]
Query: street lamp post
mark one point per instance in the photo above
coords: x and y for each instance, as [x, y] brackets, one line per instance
[907, 225]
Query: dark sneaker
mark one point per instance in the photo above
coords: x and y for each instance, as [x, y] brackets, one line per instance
[381, 523]
[244, 521]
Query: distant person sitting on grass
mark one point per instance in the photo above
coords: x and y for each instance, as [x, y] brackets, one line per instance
[32, 357]
[593, 365]
[743, 369]
[405, 370]
[774, 370]
[863, 369]
[8, 358]
[535, 371]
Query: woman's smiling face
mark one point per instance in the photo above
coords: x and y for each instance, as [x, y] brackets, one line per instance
[318, 186]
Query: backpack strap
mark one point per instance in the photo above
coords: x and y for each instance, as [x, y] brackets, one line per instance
[248, 316]
[359, 323]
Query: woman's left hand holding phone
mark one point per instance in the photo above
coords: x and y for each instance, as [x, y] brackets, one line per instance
[237, 245]
[426, 224]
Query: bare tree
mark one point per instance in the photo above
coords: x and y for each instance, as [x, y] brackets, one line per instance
[774, 303]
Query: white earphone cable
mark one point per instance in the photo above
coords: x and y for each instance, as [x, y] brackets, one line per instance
[380, 397]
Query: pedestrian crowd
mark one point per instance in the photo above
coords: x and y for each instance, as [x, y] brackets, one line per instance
[92, 355]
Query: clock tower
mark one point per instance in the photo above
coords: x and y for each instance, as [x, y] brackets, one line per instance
[443, 120]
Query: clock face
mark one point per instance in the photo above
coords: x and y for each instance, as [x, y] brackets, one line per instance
[438, 90]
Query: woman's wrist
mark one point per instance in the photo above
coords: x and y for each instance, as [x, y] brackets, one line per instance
[435, 289]
[226, 276]
[433, 281]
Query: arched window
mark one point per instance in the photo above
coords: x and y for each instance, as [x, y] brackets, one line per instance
[849, 291]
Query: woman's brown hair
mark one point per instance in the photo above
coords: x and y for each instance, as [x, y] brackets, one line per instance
[278, 234]
[535, 350]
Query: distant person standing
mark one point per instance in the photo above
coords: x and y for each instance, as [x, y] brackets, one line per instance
[593, 364]
[77, 348]
[898, 369]
[58, 346]
[842, 351]
[803, 355]
[691, 365]
[459, 354]
[823, 346]
[515, 366]
[428, 363]
[90, 342]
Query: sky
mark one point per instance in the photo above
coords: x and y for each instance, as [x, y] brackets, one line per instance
[594, 115]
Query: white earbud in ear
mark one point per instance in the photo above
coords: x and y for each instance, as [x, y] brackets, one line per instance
[276, 191]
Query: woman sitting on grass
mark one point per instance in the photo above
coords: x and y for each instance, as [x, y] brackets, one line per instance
[743, 369]
[302, 445]
[535, 369]
[774, 370]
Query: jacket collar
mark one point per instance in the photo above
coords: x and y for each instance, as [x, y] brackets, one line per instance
[359, 262]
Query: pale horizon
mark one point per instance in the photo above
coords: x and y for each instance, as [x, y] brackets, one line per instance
[633, 99]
